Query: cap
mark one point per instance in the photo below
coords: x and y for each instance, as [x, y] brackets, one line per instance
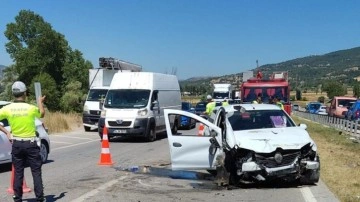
[18, 87]
[208, 97]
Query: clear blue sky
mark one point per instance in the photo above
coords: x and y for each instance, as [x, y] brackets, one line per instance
[197, 37]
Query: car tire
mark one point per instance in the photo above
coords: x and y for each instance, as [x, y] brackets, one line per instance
[151, 136]
[86, 128]
[44, 152]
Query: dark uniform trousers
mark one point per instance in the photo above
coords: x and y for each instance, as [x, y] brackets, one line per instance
[24, 152]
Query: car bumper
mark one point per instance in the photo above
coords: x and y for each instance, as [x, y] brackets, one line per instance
[91, 120]
[280, 171]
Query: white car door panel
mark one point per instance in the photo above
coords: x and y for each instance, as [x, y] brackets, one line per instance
[192, 151]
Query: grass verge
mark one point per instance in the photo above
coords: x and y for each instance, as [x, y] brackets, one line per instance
[340, 160]
[58, 122]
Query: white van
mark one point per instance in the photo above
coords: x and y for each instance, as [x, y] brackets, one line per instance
[135, 103]
[91, 112]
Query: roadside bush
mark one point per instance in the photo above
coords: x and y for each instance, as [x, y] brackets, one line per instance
[321, 99]
[304, 99]
[292, 97]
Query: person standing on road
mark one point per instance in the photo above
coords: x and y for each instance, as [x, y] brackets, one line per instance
[21, 117]
[210, 105]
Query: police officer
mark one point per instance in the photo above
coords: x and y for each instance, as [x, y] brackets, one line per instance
[258, 99]
[278, 103]
[210, 105]
[21, 117]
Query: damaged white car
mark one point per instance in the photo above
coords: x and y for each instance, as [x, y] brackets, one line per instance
[245, 143]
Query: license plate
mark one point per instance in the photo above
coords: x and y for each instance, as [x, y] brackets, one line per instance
[119, 131]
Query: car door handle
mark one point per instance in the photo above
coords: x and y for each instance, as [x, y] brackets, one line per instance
[176, 144]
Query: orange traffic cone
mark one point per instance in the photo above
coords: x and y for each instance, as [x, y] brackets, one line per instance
[201, 129]
[105, 158]
[10, 190]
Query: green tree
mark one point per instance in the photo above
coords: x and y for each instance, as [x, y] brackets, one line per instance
[49, 89]
[8, 79]
[356, 90]
[334, 88]
[35, 47]
[71, 100]
[76, 68]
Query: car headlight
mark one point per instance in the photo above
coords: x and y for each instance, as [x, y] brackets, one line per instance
[142, 112]
[103, 113]
[309, 150]
[86, 109]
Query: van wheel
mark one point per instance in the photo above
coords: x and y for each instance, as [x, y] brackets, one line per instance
[86, 128]
[151, 136]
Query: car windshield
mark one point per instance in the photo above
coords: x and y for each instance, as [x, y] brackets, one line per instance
[266, 93]
[345, 102]
[259, 119]
[127, 98]
[220, 95]
[96, 94]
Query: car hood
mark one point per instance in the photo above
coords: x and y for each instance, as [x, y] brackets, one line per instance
[268, 140]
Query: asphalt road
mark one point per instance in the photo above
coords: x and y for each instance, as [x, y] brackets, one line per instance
[73, 174]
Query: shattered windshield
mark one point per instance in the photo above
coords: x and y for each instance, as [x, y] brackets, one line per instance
[127, 98]
[260, 119]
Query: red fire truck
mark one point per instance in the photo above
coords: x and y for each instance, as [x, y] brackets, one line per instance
[276, 86]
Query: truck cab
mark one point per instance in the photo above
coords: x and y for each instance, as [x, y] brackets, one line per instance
[339, 106]
[92, 111]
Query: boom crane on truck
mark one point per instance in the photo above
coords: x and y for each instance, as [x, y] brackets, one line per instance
[99, 84]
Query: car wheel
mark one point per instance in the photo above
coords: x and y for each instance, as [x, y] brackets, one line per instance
[151, 136]
[86, 128]
[44, 153]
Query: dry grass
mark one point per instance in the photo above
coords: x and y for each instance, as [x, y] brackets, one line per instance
[58, 122]
[340, 161]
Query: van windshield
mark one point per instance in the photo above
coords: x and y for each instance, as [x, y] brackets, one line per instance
[96, 94]
[127, 98]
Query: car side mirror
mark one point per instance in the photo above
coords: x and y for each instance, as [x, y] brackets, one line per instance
[303, 126]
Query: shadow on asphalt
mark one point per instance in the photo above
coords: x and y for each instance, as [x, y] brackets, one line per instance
[206, 180]
[49, 198]
[129, 139]
[7, 166]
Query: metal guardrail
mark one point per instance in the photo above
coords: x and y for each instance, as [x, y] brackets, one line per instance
[348, 127]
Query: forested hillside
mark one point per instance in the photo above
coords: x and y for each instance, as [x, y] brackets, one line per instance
[307, 72]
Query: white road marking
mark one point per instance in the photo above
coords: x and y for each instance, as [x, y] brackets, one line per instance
[85, 197]
[146, 185]
[60, 142]
[307, 194]
[64, 147]
[82, 138]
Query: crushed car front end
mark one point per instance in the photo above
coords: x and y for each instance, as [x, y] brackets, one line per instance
[290, 165]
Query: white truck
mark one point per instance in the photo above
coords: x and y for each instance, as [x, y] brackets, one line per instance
[222, 91]
[99, 83]
[134, 105]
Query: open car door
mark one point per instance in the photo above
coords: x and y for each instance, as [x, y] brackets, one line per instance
[193, 149]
